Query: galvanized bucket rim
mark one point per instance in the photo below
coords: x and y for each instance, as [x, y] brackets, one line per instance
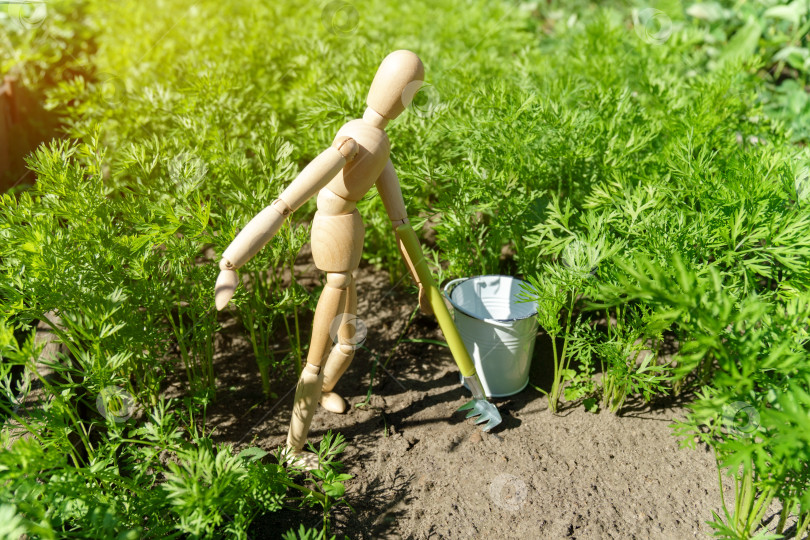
[453, 283]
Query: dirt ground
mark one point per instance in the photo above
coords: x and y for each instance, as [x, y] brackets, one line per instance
[422, 471]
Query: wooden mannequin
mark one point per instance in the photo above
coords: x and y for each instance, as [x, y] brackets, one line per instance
[341, 176]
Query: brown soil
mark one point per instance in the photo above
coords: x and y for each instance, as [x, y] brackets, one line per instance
[422, 471]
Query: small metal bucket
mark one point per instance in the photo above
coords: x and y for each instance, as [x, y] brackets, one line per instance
[497, 328]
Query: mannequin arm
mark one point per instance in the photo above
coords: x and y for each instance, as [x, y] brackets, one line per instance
[391, 195]
[266, 223]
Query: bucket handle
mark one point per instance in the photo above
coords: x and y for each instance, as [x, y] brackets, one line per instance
[447, 290]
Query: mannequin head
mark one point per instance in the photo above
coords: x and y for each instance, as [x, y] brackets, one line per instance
[398, 78]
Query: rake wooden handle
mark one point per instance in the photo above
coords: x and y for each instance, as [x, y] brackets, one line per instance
[457, 348]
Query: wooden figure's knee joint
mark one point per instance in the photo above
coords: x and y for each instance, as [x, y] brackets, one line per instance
[346, 348]
[312, 368]
[339, 280]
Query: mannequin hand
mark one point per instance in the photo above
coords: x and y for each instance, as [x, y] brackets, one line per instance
[424, 302]
[226, 285]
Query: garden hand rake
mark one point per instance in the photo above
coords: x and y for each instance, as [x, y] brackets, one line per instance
[479, 405]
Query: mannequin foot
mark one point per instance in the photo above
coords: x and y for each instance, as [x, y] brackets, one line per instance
[306, 460]
[333, 402]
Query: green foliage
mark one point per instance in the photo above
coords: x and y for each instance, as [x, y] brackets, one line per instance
[633, 165]
[685, 226]
[41, 45]
[777, 33]
[179, 131]
[754, 413]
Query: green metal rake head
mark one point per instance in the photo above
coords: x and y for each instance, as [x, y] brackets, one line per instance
[479, 405]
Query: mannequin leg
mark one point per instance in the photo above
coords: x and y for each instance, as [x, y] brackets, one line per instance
[308, 392]
[342, 353]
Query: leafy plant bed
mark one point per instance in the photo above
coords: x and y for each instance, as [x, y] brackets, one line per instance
[421, 470]
[645, 184]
